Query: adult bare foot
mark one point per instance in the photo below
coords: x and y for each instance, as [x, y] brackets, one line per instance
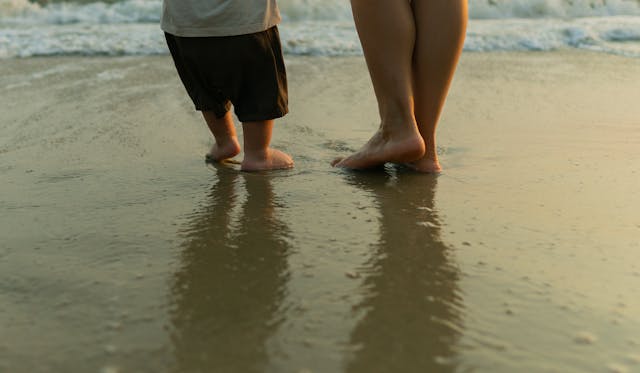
[425, 165]
[383, 148]
[271, 159]
[220, 152]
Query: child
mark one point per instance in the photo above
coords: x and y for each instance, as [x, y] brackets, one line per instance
[228, 52]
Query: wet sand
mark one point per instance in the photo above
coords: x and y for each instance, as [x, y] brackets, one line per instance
[123, 252]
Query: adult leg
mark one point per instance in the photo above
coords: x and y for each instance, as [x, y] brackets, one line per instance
[224, 132]
[258, 156]
[440, 32]
[387, 33]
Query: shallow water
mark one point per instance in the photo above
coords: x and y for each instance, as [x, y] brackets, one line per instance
[122, 251]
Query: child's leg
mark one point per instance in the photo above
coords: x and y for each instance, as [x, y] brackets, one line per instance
[224, 132]
[258, 156]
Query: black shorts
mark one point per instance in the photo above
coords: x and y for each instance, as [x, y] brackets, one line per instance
[247, 71]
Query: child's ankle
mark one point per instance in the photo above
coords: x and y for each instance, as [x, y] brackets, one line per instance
[256, 154]
[226, 141]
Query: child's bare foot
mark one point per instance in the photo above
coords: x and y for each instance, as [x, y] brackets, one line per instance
[384, 147]
[425, 165]
[220, 152]
[271, 159]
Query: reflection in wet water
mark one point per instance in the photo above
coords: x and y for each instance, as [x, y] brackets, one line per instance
[228, 292]
[412, 303]
[232, 298]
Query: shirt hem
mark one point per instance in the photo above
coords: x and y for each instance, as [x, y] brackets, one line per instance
[218, 31]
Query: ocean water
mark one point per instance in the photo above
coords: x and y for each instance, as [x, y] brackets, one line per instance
[316, 27]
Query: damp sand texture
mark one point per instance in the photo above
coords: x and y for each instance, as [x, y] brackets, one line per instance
[122, 251]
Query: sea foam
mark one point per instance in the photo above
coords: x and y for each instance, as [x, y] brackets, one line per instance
[318, 27]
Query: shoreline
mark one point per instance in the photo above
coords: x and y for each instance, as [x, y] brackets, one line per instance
[123, 251]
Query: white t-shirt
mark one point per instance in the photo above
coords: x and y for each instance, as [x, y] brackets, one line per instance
[194, 18]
